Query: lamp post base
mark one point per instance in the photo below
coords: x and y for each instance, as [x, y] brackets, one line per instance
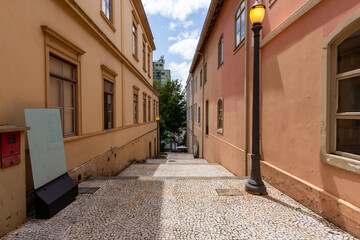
[256, 188]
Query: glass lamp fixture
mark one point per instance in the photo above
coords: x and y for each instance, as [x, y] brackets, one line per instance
[257, 13]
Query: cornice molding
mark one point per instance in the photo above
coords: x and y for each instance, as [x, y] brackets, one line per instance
[47, 30]
[290, 20]
[108, 43]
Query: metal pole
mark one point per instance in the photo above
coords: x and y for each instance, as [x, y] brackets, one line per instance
[255, 185]
[158, 140]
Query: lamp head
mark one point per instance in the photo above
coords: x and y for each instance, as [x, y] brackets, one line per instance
[257, 12]
[157, 118]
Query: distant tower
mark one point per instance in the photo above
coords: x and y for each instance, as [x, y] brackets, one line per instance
[159, 73]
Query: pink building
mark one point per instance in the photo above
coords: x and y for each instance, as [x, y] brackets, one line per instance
[310, 99]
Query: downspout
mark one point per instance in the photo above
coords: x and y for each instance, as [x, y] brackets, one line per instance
[246, 100]
[203, 104]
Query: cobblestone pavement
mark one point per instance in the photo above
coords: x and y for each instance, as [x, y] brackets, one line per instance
[156, 206]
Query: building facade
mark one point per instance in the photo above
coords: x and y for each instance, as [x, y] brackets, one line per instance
[309, 108]
[91, 60]
[161, 74]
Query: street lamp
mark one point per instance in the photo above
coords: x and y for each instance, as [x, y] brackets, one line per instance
[255, 185]
[158, 140]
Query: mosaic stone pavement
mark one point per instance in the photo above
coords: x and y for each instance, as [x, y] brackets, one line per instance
[156, 206]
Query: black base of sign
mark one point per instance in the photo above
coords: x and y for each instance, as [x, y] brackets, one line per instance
[55, 196]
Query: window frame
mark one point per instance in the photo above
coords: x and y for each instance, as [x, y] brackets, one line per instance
[144, 56]
[149, 58]
[149, 109]
[57, 45]
[207, 118]
[105, 110]
[135, 103]
[108, 19]
[241, 11]
[220, 121]
[343, 30]
[144, 107]
[110, 76]
[135, 40]
[62, 107]
[221, 51]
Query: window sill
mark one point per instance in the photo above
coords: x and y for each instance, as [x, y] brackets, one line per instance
[111, 25]
[136, 58]
[345, 163]
[239, 46]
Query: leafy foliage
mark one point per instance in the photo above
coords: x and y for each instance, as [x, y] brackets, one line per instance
[172, 107]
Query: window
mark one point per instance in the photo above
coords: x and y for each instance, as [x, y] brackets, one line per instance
[107, 9]
[195, 113]
[135, 108]
[149, 63]
[221, 51]
[220, 115]
[154, 110]
[240, 24]
[207, 118]
[195, 85]
[205, 73]
[134, 30]
[144, 54]
[201, 73]
[144, 109]
[199, 115]
[108, 105]
[149, 107]
[63, 85]
[347, 93]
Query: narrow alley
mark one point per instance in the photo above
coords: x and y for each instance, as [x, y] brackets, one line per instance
[178, 198]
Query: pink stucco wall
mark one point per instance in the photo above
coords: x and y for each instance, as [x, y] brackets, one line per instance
[291, 102]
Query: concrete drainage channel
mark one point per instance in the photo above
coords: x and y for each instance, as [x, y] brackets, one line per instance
[228, 192]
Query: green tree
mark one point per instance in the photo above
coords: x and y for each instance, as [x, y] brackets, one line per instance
[172, 107]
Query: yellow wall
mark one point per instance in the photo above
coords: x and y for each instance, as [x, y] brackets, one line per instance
[12, 194]
[77, 26]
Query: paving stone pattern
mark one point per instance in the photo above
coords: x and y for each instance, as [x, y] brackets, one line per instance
[154, 207]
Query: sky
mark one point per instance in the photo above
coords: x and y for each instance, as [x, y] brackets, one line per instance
[176, 26]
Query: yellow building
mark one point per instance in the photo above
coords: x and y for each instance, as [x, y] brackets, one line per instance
[92, 60]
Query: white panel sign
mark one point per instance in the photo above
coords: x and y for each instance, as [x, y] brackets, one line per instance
[46, 145]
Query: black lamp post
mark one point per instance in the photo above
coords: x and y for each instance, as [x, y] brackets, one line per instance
[158, 140]
[255, 185]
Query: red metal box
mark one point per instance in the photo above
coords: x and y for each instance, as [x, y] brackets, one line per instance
[10, 144]
[10, 160]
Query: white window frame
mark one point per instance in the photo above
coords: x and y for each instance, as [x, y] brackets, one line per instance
[330, 78]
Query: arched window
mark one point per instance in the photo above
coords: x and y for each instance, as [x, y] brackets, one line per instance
[240, 24]
[220, 115]
[221, 51]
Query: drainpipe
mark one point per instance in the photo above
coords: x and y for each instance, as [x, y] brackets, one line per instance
[246, 100]
[203, 104]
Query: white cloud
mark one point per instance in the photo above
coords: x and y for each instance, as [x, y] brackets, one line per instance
[185, 45]
[175, 9]
[172, 26]
[180, 71]
[184, 24]
[186, 48]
